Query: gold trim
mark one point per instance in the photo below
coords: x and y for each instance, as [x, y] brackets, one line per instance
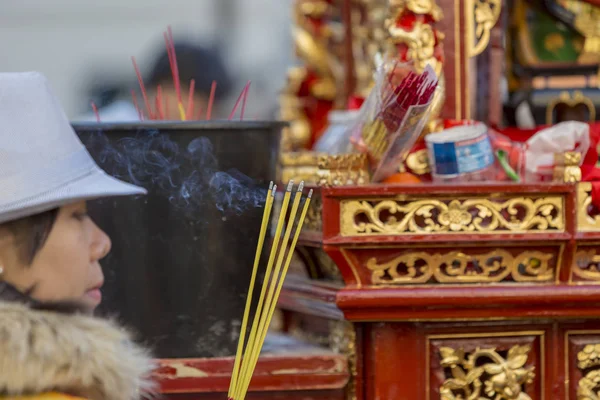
[429, 338]
[565, 97]
[454, 267]
[404, 216]
[457, 63]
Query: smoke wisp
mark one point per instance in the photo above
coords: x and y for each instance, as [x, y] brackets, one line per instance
[188, 177]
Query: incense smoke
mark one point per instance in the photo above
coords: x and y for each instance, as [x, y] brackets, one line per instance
[152, 160]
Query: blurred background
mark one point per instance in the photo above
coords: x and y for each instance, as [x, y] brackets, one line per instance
[85, 48]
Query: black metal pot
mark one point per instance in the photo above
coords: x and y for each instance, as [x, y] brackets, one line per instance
[181, 259]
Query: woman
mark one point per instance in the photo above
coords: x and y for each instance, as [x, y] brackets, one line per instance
[50, 277]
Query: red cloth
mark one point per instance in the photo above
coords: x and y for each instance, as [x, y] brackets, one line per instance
[589, 171]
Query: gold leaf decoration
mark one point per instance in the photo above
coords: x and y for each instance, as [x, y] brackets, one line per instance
[457, 267]
[588, 361]
[485, 374]
[392, 217]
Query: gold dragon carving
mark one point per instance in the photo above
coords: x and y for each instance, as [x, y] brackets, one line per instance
[486, 374]
[362, 217]
[457, 267]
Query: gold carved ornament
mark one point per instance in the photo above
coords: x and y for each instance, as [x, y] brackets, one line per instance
[458, 267]
[478, 215]
[485, 374]
[585, 221]
[587, 264]
[586, 23]
[481, 17]
[565, 98]
[418, 162]
[325, 170]
[588, 361]
[566, 167]
[420, 41]
[312, 49]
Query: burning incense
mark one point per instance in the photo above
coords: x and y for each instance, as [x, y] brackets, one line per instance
[244, 101]
[271, 288]
[159, 102]
[96, 111]
[136, 105]
[237, 102]
[190, 103]
[211, 99]
[142, 88]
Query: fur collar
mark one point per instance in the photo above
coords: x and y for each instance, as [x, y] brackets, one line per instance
[43, 351]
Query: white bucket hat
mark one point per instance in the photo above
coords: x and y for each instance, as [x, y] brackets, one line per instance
[43, 164]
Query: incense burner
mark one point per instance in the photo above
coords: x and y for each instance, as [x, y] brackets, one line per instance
[182, 255]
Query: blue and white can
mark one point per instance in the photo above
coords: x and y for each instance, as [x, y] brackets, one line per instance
[460, 152]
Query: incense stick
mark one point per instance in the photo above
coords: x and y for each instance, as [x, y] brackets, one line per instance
[259, 246]
[136, 105]
[244, 101]
[273, 305]
[142, 88]
[159, 102]
[96, 111]
[190, 103]
[175, 67]
[263, 324]
[237, 102]
[211, 99]
[257, 316]
[271, 289]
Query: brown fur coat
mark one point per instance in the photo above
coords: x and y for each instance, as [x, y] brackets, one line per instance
[45, 351]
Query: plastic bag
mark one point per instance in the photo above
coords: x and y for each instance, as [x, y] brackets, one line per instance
[393, 116]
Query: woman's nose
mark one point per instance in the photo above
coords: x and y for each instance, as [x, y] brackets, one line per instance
[101, 244]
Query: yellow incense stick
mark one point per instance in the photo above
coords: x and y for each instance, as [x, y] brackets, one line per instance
[181, 111]
[256, 345]
[253, 329]
[259, 246]
[273, 305]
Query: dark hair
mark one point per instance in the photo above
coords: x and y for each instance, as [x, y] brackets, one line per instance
[203, 65]
[31, 233]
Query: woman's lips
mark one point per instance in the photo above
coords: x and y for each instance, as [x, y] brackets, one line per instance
[95, 294]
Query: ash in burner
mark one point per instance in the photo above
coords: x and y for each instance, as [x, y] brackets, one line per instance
[152, 160]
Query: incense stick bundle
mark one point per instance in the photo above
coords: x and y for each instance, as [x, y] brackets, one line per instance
[280, 258]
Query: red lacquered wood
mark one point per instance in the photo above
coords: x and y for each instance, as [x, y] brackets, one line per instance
[284, 373]
[300, 295]
[470, 303]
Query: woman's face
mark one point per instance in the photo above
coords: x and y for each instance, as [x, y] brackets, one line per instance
[67, 267]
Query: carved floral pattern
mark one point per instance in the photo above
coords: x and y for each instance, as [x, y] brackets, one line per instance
[458, 267]
[482, 215]
[588, 361]
[485, 374]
